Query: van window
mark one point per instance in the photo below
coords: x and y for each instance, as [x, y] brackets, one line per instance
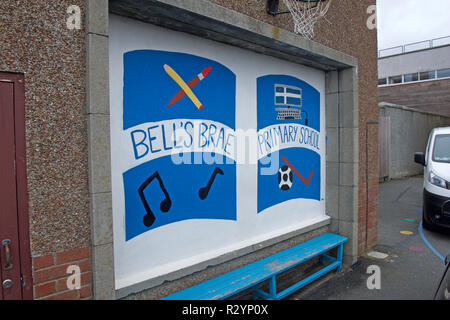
[441, 151]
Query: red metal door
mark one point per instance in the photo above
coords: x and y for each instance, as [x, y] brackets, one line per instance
[12, 260]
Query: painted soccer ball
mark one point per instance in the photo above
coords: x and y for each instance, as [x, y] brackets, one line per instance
[285, 178]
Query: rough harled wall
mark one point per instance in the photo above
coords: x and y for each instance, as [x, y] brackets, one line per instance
[34, 40]
[346, 32]
[410, 129]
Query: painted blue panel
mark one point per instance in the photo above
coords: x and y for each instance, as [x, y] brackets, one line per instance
[299, 174]
[305, 161]
[160, 192]
[182, 183]
[293, 101]
[267, 115]
[289, 90]
[279, 99]
[148, 89]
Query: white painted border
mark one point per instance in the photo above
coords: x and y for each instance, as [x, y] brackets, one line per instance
[132, 265]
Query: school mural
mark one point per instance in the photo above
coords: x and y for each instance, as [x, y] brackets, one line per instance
[214, 150]
[179, 117]
[288, 133]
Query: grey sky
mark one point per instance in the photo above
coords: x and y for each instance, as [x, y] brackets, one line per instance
[405, 21]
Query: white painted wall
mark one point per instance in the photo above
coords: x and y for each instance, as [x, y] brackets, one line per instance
[186, 243]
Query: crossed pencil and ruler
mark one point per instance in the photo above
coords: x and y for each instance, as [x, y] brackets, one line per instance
[186, 88]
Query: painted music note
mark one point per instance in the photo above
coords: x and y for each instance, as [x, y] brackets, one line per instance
[203, 192]
[165, 205]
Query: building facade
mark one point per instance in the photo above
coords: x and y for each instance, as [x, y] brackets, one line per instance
[417, 76]
[71, 90]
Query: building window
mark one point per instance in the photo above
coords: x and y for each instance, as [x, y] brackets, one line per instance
[395, 79]
[411, 77]
[444, 73]
[382, 81]
[427, 75]
[414, 77]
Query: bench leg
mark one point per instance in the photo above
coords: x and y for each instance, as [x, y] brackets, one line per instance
[258, 293]
[272, 295]
[273, 288]
[340, 255]
[336, 263]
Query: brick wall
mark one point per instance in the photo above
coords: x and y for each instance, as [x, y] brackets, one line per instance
[368, 216]
[430, 96]
[50, 275]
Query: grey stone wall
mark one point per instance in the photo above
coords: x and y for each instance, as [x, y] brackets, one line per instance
[409, 133]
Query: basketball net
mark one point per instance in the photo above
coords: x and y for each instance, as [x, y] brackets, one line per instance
[305, 14]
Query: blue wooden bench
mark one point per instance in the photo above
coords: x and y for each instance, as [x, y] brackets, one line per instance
[268, 268]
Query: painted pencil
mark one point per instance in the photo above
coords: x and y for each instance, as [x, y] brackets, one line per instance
[191, 84]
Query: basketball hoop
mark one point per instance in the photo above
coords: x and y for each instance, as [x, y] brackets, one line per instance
[305, 14]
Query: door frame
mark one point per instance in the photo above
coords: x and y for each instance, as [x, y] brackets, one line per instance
[18, 81]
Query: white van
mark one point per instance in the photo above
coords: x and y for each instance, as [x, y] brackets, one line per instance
[436, 186]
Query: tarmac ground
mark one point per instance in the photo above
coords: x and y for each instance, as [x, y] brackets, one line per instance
[414, 265]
